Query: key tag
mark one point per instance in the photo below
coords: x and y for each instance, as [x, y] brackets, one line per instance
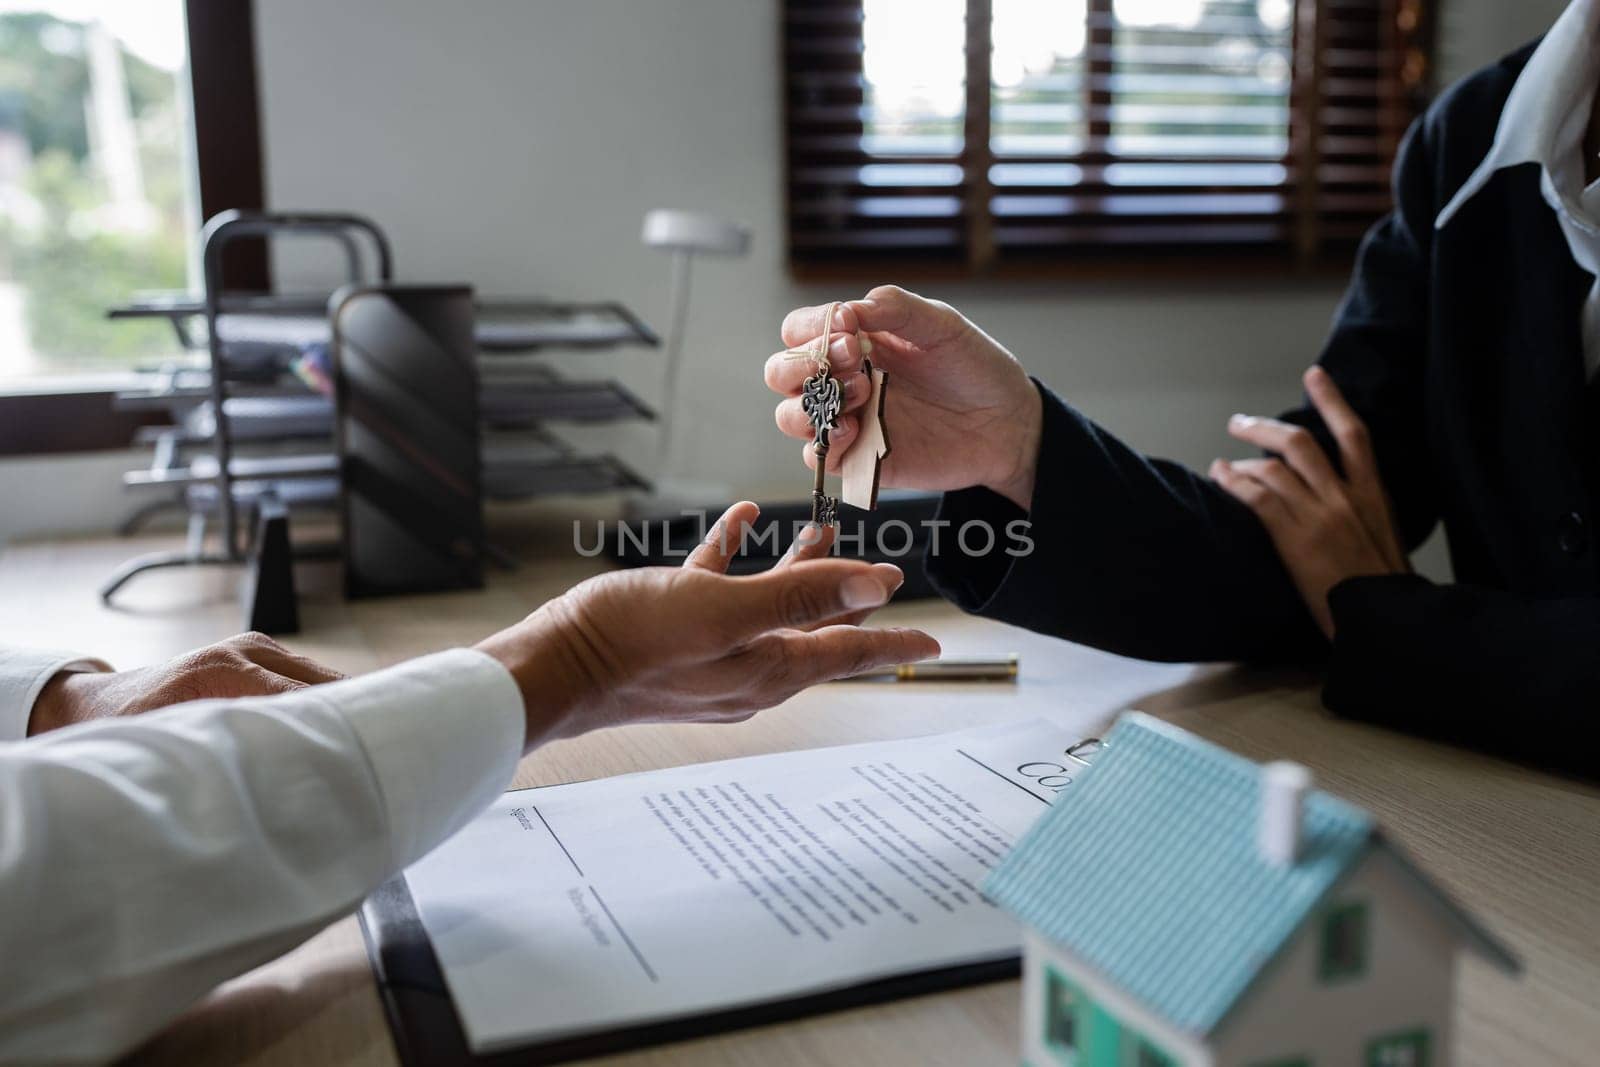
[863, 464]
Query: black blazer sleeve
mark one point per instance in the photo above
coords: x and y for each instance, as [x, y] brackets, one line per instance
[1134, 555]
[1143, 557]
[1442, 660]
[1515, 674]
[1379, 342]
[1146, 558]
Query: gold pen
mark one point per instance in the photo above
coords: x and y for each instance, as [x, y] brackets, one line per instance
[1002, 669]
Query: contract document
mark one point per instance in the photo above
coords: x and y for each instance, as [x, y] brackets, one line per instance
[585, 908]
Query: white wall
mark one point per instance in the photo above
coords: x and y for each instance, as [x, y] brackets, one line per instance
[1473, 33]
[516, 144]
[1409, 983]
[65, 494]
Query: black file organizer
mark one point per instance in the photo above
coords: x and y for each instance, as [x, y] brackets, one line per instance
[249, 438]
[405, 363]
[523, 398]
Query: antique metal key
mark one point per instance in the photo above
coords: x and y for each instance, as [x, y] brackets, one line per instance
[820, 399]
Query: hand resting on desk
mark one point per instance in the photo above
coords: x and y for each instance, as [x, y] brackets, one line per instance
[247, 665]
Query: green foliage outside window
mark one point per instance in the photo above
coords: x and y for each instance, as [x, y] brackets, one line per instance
[56, 243]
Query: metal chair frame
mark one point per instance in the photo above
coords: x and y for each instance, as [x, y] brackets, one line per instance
[219, 232]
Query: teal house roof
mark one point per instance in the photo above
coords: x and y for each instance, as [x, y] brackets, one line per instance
[1147, 869]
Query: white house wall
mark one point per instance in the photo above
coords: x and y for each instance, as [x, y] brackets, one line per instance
[1188, 1051]
[1408, 984]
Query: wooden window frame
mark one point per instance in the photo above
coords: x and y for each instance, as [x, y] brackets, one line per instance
[1406, 26]
[227, 133]
[227, 127]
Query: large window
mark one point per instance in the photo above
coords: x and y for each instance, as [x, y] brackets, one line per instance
[98, 196]
[980, 133]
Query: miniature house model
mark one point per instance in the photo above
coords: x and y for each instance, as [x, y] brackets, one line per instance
[1185, 906]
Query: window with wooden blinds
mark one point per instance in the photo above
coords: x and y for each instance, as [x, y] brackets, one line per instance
[972, 135]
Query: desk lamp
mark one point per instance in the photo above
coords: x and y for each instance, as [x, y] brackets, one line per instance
[685, 234]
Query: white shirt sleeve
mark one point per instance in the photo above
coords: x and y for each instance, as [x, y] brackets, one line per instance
[23, 672]
[144, 860]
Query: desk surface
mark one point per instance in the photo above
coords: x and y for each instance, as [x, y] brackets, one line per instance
[1521, 849]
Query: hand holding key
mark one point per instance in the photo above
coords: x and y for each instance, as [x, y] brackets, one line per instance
[820, 400]
[962, 410]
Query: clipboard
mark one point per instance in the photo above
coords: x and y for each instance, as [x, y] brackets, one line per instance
[428, 1030]
[428, 1033]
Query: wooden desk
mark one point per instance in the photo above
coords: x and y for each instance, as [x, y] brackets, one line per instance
[1519, 848]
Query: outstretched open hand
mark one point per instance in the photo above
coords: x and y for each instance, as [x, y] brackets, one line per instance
[692, 644]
